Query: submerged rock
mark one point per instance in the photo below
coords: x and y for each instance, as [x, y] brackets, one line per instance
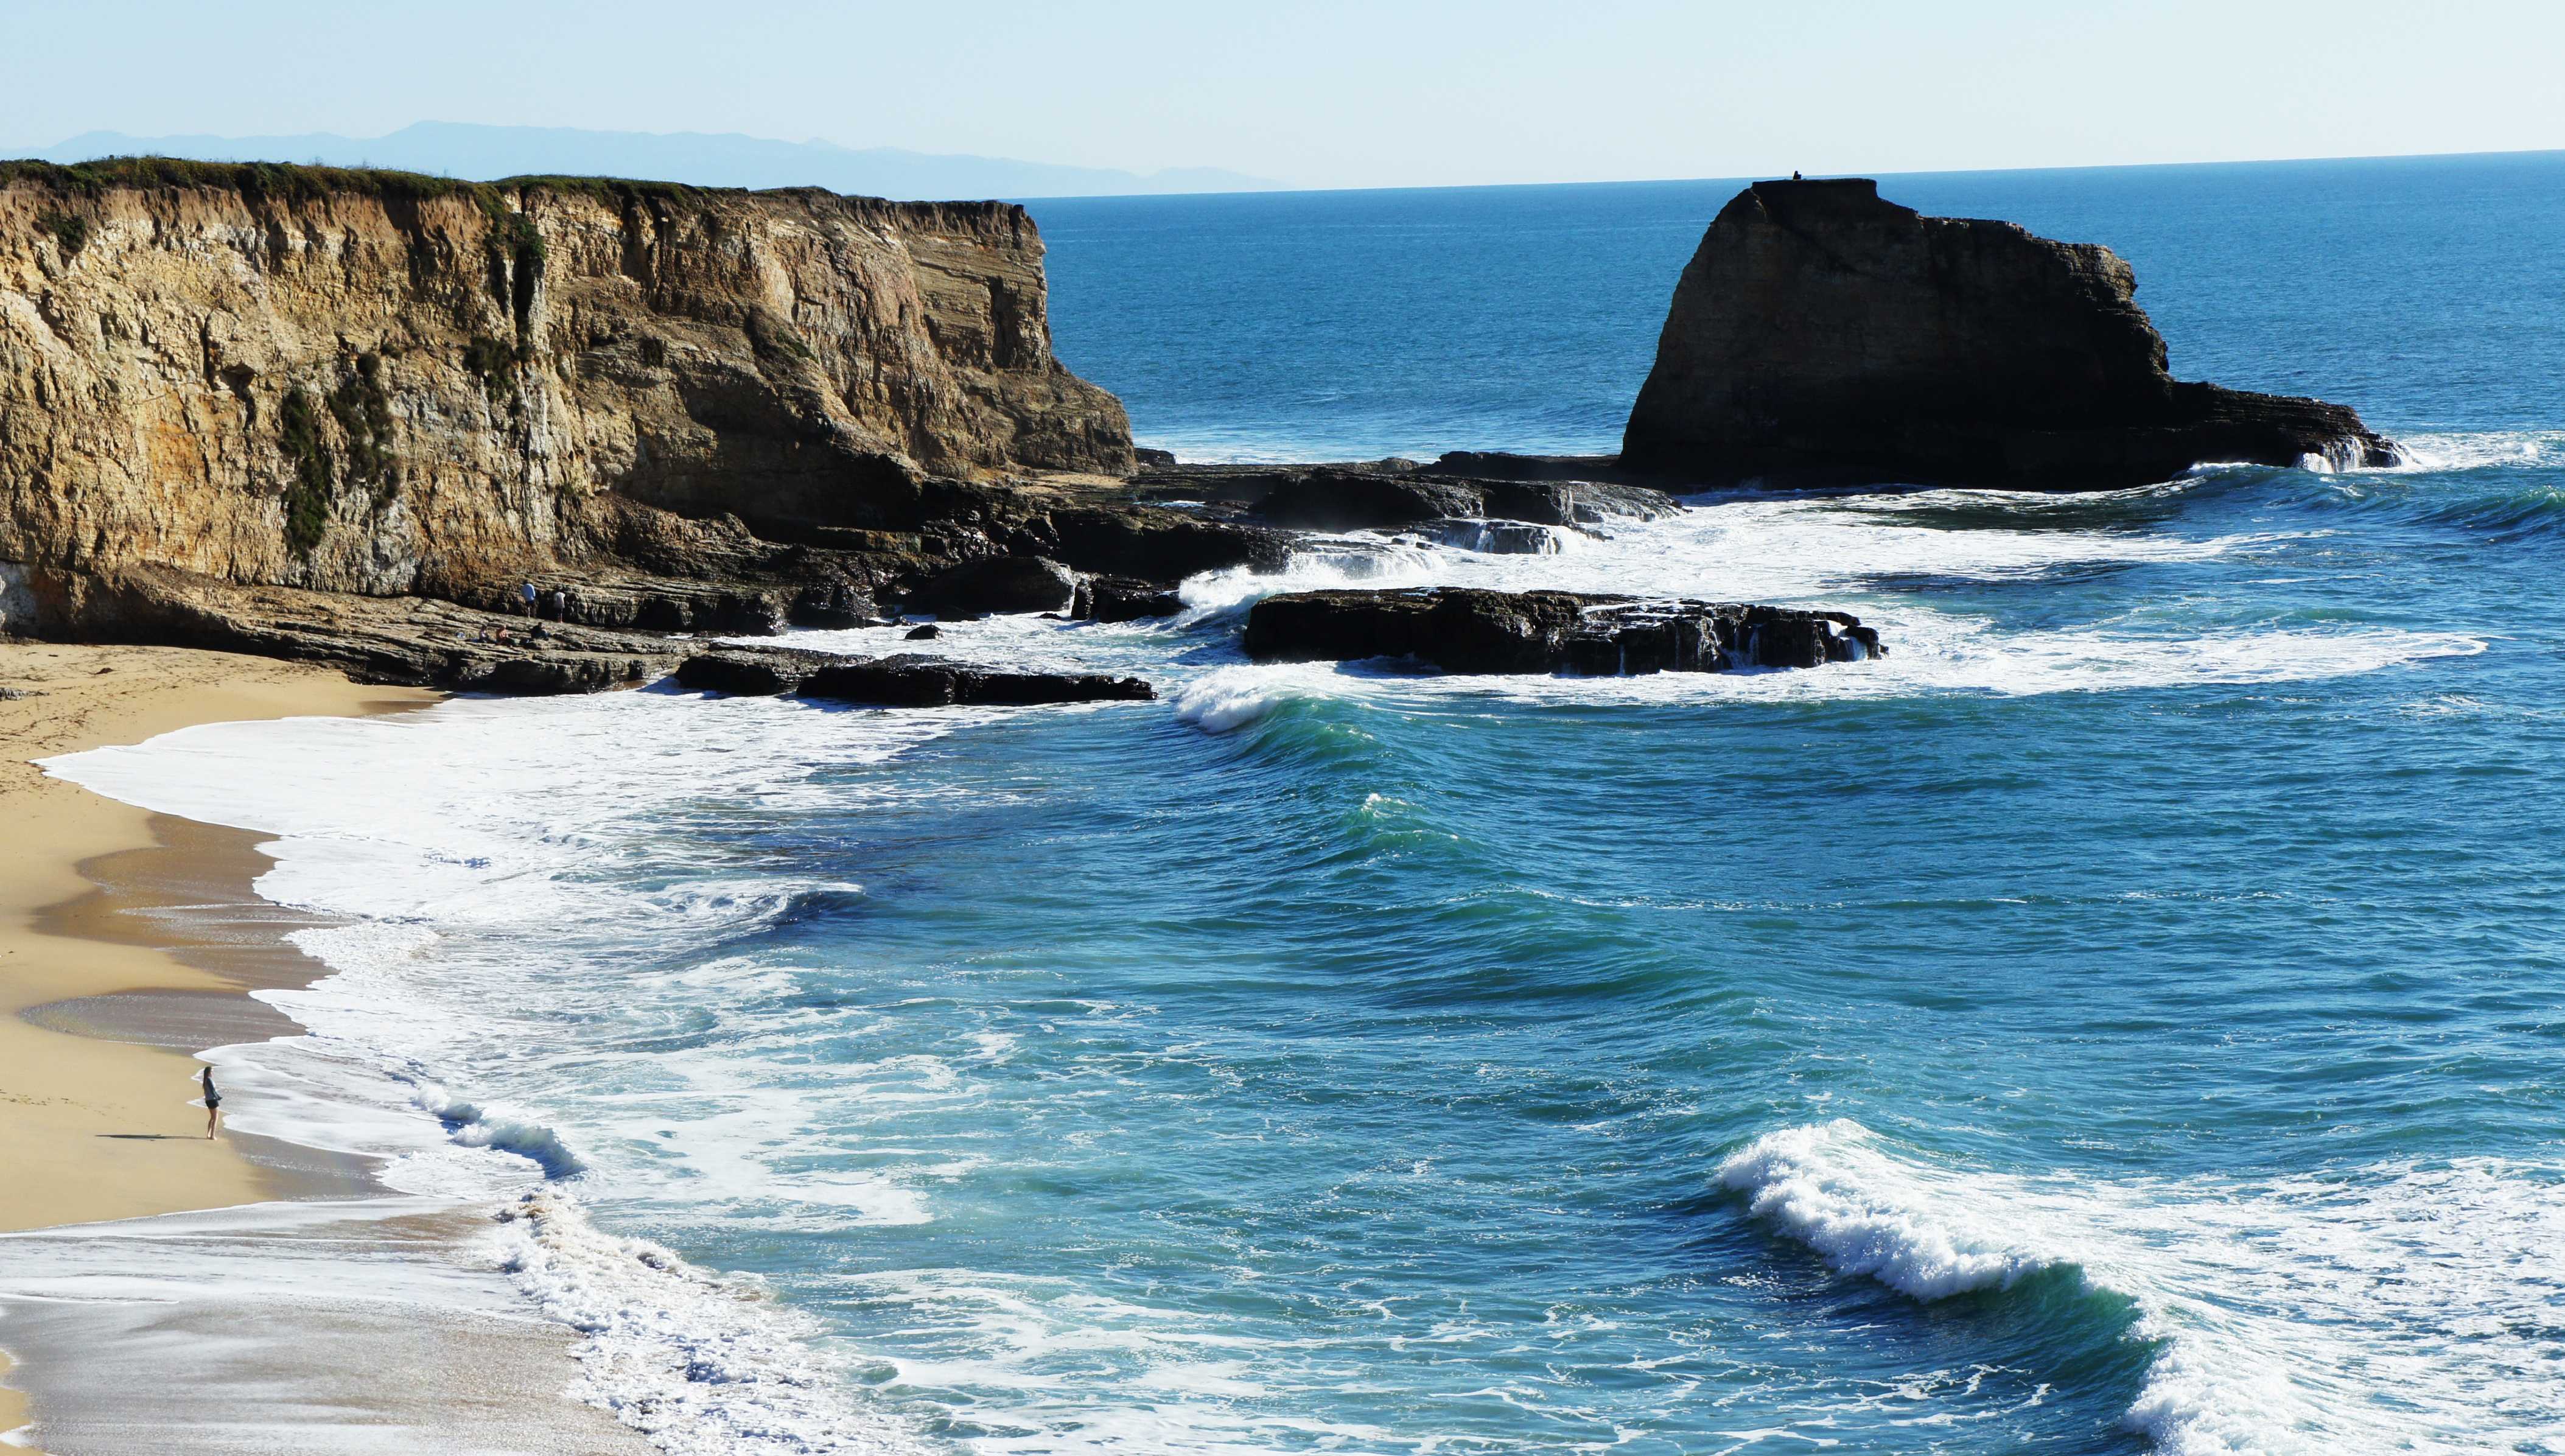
[1823, 336]
[1468, 631]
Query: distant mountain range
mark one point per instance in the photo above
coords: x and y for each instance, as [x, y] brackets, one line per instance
[706, 159]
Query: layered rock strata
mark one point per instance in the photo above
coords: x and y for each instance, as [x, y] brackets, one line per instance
[629, 407]
[1823, 336]
[377, 383]
[1392, 495]
[1468, 631]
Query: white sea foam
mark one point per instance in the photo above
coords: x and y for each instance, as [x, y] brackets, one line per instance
[512, 822]
[2441, 452]
[1863, 1215]
[704, 1365]
[2385, 1308]
[470, 1126]
[1855, 552]
[475, 820]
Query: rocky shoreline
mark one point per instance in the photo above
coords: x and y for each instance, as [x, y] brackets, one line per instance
[541, 436]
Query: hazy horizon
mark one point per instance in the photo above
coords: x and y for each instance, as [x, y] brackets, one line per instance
[1336, 96]
[1169, 180]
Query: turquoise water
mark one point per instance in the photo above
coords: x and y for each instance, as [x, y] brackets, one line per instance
[2126, 1018]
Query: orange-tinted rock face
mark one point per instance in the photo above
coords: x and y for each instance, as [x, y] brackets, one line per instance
[363, 382]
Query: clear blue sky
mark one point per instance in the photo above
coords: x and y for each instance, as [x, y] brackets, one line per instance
[1339, 94]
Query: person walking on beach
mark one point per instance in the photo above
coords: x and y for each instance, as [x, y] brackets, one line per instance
[213, 1105]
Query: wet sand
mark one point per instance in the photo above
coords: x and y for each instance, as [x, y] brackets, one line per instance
[127, 942]
[95, 1128]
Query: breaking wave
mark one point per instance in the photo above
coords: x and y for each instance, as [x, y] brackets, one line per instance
[703, 1365]
[2376, 1309]
[471, 1128]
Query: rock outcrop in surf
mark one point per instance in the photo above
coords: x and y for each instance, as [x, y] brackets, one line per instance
[1469, 630]
[1822, 335]
[905, 680]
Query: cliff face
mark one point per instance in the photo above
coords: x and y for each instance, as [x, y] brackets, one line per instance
[1822, 334]
[381, 383]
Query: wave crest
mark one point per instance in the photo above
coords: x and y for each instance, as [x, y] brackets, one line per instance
[470, 1126]
[1829, 1187]
[2373, 1309]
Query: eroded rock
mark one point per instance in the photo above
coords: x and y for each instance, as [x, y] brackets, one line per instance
[1125, 598]
[1469, 630]
[996, 584]
[1823, 336]
[906, 679]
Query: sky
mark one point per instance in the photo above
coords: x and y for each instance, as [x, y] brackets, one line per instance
[1391, 92]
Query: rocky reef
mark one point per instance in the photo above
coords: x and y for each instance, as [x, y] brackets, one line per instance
[1822, 335]
[1466, 631]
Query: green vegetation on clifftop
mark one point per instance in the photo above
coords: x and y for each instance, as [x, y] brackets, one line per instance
[290, 182]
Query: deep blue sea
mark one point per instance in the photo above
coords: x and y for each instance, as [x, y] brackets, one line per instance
[2126, 1018]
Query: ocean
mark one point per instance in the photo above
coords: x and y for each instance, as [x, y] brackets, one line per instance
[2125, 1018]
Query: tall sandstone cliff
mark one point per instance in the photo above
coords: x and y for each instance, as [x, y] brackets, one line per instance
[1822, 334]
[376, 382]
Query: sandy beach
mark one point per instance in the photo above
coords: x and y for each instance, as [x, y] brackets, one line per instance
[93, 1128]
[127, 940]
[105, 1129]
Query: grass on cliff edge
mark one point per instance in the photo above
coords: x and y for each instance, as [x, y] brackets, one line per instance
[292, 182]
[288, 181]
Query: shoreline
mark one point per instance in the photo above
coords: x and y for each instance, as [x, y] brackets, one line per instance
[130, 942]
[63, 1094]
[64, 937]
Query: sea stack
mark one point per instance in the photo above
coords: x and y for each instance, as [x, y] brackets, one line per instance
[1824, 336]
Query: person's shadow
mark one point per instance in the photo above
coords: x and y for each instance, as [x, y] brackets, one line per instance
[150, 1136]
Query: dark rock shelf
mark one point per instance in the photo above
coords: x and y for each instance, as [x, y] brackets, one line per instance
[1466, 630]
[905, 680]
